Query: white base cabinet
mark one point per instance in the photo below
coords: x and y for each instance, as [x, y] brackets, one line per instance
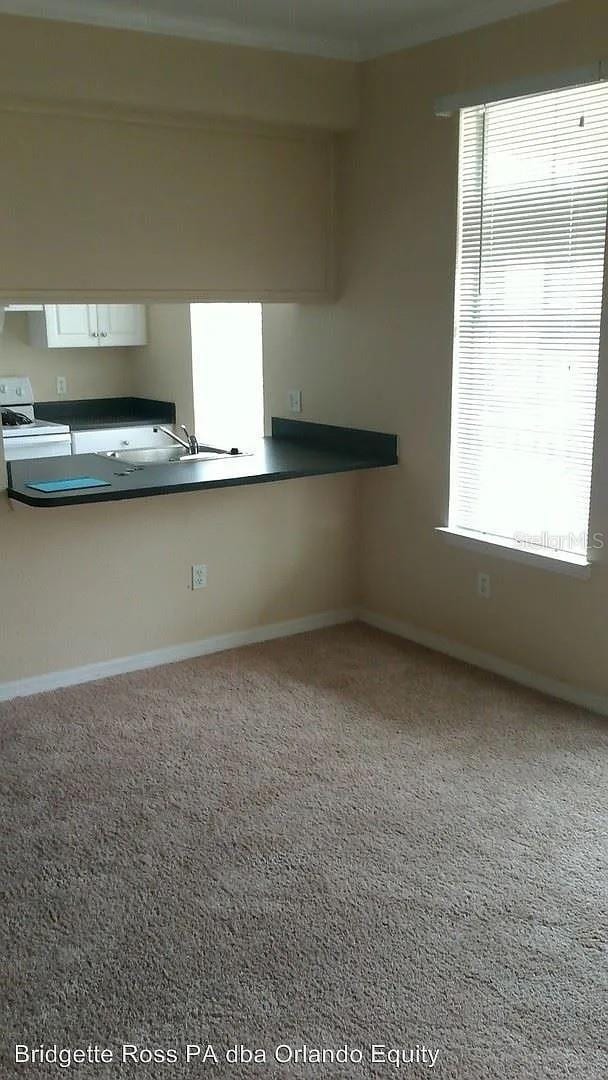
[138, 437]
[78, 326]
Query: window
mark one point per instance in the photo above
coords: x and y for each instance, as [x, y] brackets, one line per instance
[227, 373]
[533, 190]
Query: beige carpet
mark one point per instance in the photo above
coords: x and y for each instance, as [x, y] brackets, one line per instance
[333, 839]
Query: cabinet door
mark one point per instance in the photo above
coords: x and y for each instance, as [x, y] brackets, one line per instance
[71, 326]
[121, 324]
[137, 437]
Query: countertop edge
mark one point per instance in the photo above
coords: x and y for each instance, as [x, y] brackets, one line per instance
[101, 495]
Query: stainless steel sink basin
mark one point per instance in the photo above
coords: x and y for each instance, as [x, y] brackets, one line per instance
[165, 455]
[161, 455]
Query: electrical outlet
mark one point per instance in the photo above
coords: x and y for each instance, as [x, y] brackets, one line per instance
[62, 384]
[294, 401]
[483, 586]
[199, 576]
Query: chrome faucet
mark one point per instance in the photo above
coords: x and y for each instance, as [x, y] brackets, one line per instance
[192, 440]
[190, 443]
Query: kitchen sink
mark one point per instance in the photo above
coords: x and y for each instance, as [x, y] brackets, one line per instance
[166, 455]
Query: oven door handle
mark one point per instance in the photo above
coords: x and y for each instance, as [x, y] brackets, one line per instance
[34, 440]
[19, 447]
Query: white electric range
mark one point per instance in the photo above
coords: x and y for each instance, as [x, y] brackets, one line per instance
[24, 435]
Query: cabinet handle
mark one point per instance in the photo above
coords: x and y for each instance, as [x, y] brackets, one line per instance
[103, 333]
[93, 333]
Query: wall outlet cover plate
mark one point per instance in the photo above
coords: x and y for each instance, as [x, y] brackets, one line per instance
[199, 576]
[294, 399]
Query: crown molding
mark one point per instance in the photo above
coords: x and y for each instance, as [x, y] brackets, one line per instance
[478, 14]
[97, 13]
[182, 26]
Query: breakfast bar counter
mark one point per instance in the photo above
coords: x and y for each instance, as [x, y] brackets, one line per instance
[295, 449]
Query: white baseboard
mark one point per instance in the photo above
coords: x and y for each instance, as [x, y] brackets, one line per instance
[53, 680]
[187, 650]
[546, 685]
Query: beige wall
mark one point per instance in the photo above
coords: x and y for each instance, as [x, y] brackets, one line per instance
[89, 372]
[64, 62]
[86, 584]
[226, 150]
[381, 357]
[163, 368]
[118, 207]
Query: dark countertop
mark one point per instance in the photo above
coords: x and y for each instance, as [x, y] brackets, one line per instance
[85, 414]
[296, 449]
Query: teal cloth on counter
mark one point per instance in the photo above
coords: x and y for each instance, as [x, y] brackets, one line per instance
[71, 483]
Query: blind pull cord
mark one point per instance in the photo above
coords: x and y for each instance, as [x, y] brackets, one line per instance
[482, 196]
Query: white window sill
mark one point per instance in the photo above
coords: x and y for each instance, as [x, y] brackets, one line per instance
[558, 562]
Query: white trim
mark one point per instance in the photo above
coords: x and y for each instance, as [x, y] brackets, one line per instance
[123, 17]
[531, 84]
[199, 28]
[557, 562]
[461, 18]
[104, 669]
[488, 662]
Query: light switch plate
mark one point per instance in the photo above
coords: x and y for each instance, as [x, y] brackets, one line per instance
[62, 384]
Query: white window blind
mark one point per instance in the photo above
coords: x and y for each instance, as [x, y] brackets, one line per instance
[532, 227]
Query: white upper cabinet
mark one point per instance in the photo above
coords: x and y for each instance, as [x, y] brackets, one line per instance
[77, 326]
[70, 325]
[121, 324]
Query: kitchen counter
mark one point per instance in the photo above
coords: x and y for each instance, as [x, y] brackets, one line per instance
[296, 449]
[86, 414]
